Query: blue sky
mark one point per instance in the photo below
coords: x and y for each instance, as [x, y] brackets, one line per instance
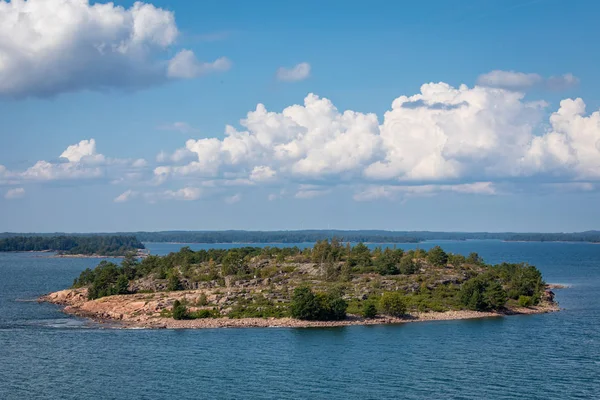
[113, 118]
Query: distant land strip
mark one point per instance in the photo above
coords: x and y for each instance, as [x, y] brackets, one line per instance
[303, 236]
[93, 245]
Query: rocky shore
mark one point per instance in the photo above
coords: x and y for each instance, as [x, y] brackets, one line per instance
[143, 310]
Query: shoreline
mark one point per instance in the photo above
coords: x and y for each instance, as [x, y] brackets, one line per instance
[136, 311]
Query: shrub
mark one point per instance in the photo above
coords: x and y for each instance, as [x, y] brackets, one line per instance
[179, 311]
[174, 283]
[525, 301]
[407, 265]
[393, 303]
[310, 306]
[202, 300]
[369, 310]
[201, 314]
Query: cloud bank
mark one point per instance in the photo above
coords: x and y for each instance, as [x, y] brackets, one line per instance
[444, 139]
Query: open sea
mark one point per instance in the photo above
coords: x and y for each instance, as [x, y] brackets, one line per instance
[45, 354]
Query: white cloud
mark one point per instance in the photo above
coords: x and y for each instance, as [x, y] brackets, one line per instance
[187, 193]
[86, 150]
[185, 65]
[79, 161]
[520, 81]
[311, 191]
[441, 134]
[139, 163]
[297, 73]
[572, 145]
[442, 139]
[389, 192]
[233, 199]
[262, 173]
[15, 193]
[125, 196]
[179, 126]
[54, 46]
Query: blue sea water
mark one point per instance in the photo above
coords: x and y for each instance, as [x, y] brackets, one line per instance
[45, 354]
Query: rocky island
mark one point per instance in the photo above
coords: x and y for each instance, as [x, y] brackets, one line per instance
[331, 284]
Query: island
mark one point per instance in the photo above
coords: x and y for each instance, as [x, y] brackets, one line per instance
[75, 246]
[330, 284]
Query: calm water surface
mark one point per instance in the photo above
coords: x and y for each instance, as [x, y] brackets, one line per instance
[47, 355]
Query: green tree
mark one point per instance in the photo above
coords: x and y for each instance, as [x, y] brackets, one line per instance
[495, 296]
[305, 304]
[482, 293]
[360, 256]
[474, 258]
[122, 285]
[393, 303]
[437, 256]
[386, 263]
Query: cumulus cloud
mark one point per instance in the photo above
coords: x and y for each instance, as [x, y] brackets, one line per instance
[15, 193]
[520, 81]
[79, 161]
[465, 135]
[297, 73]
[54, 46]
[86, 149]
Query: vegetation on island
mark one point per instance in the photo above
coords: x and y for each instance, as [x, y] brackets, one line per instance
[325, 282]
[86, 245]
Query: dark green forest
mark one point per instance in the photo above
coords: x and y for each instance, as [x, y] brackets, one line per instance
[87, 245]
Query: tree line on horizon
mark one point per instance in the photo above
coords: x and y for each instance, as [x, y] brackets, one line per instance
[86, 245]
[311, 236]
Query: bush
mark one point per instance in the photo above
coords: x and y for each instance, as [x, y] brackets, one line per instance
[369, 310]
[525, 301]
[202, 300]
[179, 311]
[393, 303]
[174, 283]
[309, 306]
[201, 314]
[407, 265]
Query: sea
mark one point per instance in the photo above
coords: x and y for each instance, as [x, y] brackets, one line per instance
[45, 354]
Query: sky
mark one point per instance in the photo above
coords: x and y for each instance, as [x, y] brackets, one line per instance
[471, 115]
